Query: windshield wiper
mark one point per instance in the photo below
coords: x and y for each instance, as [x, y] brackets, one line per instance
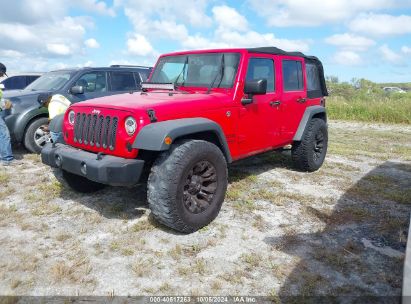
[221, 72]
[183, 71]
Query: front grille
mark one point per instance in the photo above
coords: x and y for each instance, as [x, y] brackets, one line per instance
[95, 130]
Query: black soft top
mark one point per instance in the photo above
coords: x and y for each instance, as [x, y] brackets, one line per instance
[308, 59]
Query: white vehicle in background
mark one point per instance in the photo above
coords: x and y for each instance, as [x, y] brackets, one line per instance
[393, 90]
[18, 81]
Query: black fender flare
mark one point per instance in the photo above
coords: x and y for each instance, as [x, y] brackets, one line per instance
[151, 137]
[308, 114]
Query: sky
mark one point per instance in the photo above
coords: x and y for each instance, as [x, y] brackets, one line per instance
[353, 38]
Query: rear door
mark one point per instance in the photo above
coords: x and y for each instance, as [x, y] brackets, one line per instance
[294, 96]
[123, 81]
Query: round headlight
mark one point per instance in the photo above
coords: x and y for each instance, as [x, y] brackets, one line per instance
[131, 125]
[71, 117]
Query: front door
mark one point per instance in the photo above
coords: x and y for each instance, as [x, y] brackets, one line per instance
[258, 122]
[94, 85]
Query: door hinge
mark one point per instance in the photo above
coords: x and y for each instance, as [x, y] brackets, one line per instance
[152, 115]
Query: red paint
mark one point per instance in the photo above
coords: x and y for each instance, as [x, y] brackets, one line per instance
[249, 129]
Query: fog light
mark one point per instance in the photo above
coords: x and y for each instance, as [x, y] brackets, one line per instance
[83, 168]
[58, 160]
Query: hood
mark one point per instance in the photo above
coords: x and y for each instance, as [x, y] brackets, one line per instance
[23, 99]
[16, 94]
[164, 103]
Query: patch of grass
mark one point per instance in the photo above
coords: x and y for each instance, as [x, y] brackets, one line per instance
[259, 223]
[7, 210]
[6, 191]
[63, 237]
[373, 144]
[244, 205]
[142, 268]
[114, 246]
[394, 108]
[33, 157]
[345, 215]
[176, 252]
[252, 260]
[15, 283]
[4, 177]
[142, 225]
[127, 251]
[50, 190]
[46, 209]
[235, 277]
[74, 271]
[199, 266]
[165, 287]
[289, 240]
[216, 285]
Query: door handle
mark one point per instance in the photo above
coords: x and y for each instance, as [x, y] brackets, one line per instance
[301, 100]
[275, 103]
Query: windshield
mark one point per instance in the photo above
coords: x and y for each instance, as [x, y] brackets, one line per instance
[198, 70]
[50, 81]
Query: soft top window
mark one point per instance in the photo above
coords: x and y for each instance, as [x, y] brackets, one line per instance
[313, 78]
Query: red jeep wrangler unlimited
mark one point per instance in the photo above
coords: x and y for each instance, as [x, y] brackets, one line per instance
[199, 111]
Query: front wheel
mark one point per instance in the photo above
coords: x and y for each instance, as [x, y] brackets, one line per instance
[37, 135]
[309, 153]
[187, 185]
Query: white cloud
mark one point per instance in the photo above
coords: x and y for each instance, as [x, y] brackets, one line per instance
[406, 49]
[139, 45]
[231, 29]
[143, 13]
[45, 38]
[228, 18]
[93, 6]
[58, 49]
[347, 58]
[284, 13]
[11, 54]
[381, 24]
[350, 42]
[390, 56]
[92, 43]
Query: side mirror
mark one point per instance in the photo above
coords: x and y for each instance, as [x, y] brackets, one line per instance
[2, 87]
[256, 87]
[77, 90]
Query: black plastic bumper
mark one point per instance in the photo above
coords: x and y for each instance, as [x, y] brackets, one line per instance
[106, 169]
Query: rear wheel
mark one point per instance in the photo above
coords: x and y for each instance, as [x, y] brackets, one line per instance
[309, 153]
[81, 184]
[37, 135]
[187, 185]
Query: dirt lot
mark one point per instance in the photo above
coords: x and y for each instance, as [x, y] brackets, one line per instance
[341, 230]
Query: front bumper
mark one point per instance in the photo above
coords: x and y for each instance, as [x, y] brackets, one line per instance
[106, 169]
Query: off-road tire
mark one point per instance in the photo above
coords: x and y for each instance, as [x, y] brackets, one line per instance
[81, 184]
[28, 139]
[305, 153]
[167, 184]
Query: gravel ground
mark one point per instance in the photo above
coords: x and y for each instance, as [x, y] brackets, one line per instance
[339, 231]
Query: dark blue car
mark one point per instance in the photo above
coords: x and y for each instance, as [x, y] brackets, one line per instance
[28, 119]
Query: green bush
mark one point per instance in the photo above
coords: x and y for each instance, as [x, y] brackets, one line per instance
[363, 100]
